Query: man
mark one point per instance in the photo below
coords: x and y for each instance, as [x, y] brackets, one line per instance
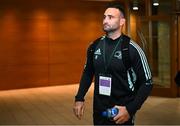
[113, 84]
[177, 78]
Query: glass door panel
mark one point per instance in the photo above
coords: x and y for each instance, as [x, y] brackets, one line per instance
[161, 53]
[157, 36]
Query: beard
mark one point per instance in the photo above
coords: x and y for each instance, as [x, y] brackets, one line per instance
[108, 28]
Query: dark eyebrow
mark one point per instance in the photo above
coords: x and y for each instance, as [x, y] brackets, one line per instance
[109, 15]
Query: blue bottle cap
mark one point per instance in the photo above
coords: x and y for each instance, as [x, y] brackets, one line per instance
[114, 111]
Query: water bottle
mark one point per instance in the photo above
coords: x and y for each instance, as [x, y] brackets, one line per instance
[110, 113]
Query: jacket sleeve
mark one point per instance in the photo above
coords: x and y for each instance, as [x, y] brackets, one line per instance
[144, 77]
[87, 75]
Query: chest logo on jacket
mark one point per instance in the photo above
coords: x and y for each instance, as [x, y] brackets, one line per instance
[118, 54]
[97, 52]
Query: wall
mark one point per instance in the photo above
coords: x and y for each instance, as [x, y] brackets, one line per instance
[44, 42]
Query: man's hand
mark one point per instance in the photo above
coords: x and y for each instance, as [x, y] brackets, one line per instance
[78, 109]
[122, 115]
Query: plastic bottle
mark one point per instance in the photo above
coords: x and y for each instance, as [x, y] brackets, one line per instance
[110, 113]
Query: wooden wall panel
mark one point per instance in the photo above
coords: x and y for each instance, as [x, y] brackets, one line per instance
[44, 42]
[23, 76]
[70, 36]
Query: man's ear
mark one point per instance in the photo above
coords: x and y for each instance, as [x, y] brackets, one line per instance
[122, 21]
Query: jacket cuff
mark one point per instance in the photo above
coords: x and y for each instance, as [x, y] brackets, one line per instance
[131, 110]
[79, 99]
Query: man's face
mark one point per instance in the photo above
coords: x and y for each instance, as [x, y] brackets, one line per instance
[112, 20]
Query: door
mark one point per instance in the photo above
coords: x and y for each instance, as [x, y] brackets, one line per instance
[159, 30]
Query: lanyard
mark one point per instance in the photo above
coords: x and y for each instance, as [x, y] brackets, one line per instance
[104, 50]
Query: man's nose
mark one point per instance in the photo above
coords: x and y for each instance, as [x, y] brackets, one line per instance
[105, 20]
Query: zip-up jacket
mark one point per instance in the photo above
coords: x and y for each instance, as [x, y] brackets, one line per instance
[129, 88]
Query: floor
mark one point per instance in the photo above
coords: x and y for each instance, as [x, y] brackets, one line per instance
[53, 106]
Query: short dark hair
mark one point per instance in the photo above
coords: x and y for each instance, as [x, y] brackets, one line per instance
[118, 6]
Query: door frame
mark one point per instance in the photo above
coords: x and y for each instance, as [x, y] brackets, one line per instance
[172, 90]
